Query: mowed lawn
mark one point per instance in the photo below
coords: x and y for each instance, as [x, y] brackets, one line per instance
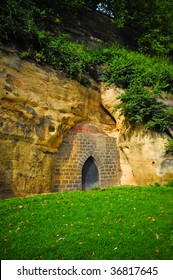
[118, 223]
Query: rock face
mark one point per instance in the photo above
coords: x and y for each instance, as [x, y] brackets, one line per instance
[39, 106]
[142, 152]
[91, 26]
[90, 31]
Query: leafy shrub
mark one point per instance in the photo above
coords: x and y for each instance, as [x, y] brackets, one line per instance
[26, 23]
[21, 20]
[154, 43]
[73, 58]
[144, 80]
[17, 20]
[140, 105]
[125, 68]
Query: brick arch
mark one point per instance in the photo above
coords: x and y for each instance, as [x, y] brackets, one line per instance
[97, 161]
[82, 142]
[95, 157]
[87, 128]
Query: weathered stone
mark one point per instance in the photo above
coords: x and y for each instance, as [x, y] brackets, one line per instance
[38, 106]
[143, 157]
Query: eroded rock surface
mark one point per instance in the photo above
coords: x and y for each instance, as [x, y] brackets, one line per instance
[142, 152]
[38, 106]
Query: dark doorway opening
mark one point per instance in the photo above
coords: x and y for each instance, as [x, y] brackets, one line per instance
[90, 175]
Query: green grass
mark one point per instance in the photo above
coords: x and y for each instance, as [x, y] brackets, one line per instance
[118, 223]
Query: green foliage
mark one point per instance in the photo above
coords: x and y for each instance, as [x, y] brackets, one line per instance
[150, 26]
[124, 68]
[170, 185]
[140, 105]
[118, 223]
[169, 145]
[17, 20]
[59, 5]
[26, 22]
[144, 80]
[21, 20]
[153, 24]
[73, 58]
[154, 43]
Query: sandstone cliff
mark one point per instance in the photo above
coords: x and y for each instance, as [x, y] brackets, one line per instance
[142, 152]
[38, 106]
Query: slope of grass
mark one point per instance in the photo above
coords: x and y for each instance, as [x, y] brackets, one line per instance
[118, 223]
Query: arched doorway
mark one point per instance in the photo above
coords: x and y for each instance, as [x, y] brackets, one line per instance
[90, 174]
[87, 158]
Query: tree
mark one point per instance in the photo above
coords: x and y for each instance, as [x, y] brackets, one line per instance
[62, 7]
[21, 20]
[151, 24]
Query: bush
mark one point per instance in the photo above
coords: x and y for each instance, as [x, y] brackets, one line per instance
[154, 43]
[17, 20]
[26, 23]
[140, 105]
[125, 68]
[76, 60]
[144, 79]
[20, 20]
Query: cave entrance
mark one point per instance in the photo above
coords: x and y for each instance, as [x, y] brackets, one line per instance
[90, 174]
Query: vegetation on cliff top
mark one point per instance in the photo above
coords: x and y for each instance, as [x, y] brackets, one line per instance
[147, 79]
[152, 25]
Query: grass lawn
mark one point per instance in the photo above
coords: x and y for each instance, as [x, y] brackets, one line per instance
[119, 223]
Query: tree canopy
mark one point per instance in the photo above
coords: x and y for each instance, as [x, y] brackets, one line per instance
[151, 23]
